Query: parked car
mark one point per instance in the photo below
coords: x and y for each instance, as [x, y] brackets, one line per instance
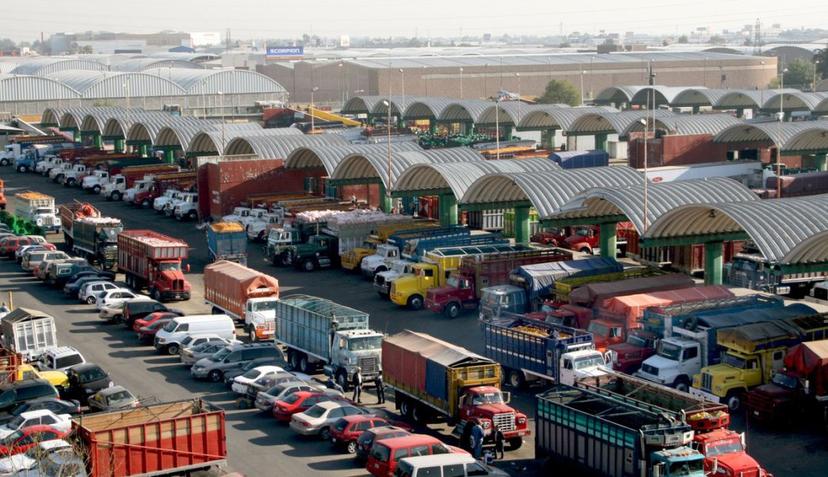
[283, 409]
[85, 380]
[57, 406]
[139, 309]
[110, 298]
[366, 440]
[146, 334]
[152, 318]
[446, 464]
[190, 355]
[90, 290]
[170, 337]
[19, 392]
[72, 287]
[36, 247]
[275, 360]
[195, 340]
[241, 382]
[267, 398]
[61, 422]
[59, 358]
[25, 464]
[346, 431]
[10, 244]
[21, 441]
[233, 357]
[385, 454]
[33, 259]
[112, 399]
[317, 420]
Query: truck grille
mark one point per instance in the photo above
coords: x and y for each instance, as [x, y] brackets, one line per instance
[505, 422]
[739, 279]
[368, 365]
[707, 382]
[178, 285]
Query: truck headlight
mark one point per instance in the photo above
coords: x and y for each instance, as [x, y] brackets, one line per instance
[521, 420]
[486, 424]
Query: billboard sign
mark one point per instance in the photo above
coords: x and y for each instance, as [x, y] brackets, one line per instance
[285, 52]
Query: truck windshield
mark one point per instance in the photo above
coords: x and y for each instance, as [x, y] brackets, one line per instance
[453, 282]
[733, 361]
[598, 329]
[726, 446]
[785, 381]
[265, 306]
[169, 266]
[44, 211]
[488, 398]
[636, 340]
[693, 467]
[110, 235]
[589, 362]
[364, 344]
[669, 351]
[494, 299]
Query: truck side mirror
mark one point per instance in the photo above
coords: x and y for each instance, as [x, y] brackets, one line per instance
[507, 396]
[187, 267]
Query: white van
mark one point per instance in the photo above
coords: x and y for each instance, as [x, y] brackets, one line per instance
[444, 465]
[169, 338]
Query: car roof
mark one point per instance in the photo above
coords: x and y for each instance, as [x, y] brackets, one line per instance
[61, 350]
[113, 390]
[55, 444]
[380, 430]
[439, 459]
[85, 367]
[24, 384]
[362, 417]
[35, 413]
[413, 439]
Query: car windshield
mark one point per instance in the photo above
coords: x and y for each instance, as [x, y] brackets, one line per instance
[341, 425]
[733, 361]
[727, 446]
[169, 266]
[291, 399]
[120, 396]
[487, 398]
[91, 374]
[157, 324]
[785, 381]
[220, 354]
[364, 344]
[669, 350]
[16, 422]
[589, 361]
[315, 411]
[381, 453]
[265, 306]
[252, 374]
[276, 390]
[681, 469]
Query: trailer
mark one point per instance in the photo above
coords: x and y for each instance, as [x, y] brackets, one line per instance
[173, 438]
[152, 260]
[227, 241]
[28, 332]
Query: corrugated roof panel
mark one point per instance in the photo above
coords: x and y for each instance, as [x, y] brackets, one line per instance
[279, 147]
[142, 64]
[685, 124]
[200, 81]
[798, 136]
[34, 88]
[210, 140]
[52, 64]
[105, 84]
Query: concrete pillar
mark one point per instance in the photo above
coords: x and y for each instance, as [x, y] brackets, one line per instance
[448, 210]
[572, 143]
[169, 155]
[76, 135]
[601, 142]
[548, 139]
[98, 140]
[522, 224]
[821, 161]
[143, 150]
[507, 133]
[385, 202]
[696, 109]
[713, 263]
[740, 112]
[432, 126]
[119, 145]
[608, 240]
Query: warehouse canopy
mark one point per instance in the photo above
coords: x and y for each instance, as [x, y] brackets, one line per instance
[210, 141]
[105, 84]
[617, 94]
[794, 101]
[778, 227]
[281, 147]
[118, 125]
[546, 191]
[202, 81]
[398, 105]
[34, 88]
[626, 203]
[143, 64]
[54, 116]
[557, 117]
[426, 107]
[181, 133]
[508, 112]
[457, 177]
[684, 124]
[743, 99]
[658, 95]
[789, 136]
[361, 104]
[699, 96]
[611, 122]
[464, 111]
[52, 64]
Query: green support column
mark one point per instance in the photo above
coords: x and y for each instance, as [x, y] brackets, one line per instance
[432, 126]
[695, 109]
[76, 135]
[601, 142]
[507, 134]
[98, 141]
[386, 203]
[169, 155]
[119, 145]
[608, 240]
[821, 161]
[548, 139]
[522, 224]
[713, 263]
[143, 150]
[448, 210]
[740, 112]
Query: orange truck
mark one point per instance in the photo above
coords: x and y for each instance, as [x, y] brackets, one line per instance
[245, 294]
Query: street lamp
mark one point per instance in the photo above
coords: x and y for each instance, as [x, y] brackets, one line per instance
[461, 82]
[313, 122]
[402, 91]
[126, 91]
[497, 125]
[779, 129]
[387, 105]
[644, 121]
[221, 96]
[520, 100]
[583, 72]
[341, 88]
[816, 66]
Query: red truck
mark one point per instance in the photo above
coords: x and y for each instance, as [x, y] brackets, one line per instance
[152, 260]
[70, 154]
[161, 439]
[587, 239]
[477, 272]
[183, 180]
[725, 456]
[431, 378]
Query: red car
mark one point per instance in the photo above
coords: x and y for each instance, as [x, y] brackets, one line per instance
[152, 318]
[346, 431]
[20, 441]
[298, 402]
[146, 334]
[9, 245]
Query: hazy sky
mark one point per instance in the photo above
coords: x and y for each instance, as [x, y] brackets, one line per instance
[24, 20]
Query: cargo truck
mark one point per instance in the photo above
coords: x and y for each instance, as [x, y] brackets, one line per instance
[26, 158]
[227, 241]
[28, 332]
[434, 379]
[595, 434]
[799, 390]
[587, 239]
[529, 284]
[246, 295]
[162, 182]
[96, 239]
[71, 212]
[38, 209]
[406, 241]
[123, 174]
[565, 286]
[397, 269]
[530, 350]
[174, 438]
[750, 269]
[153, 261]
[752, 354]
[724, 454]
[316, 331]
[379, 234]
[693, 345]
[476, 272]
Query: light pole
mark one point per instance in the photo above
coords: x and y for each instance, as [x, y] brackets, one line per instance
[387, 105]
[645, 122]
[341, 88]
[816, 66]
[402, 92]
[425, 78]
[583, 72]
[779, 129]
[461, 82]
[221, 96]
[497, 125]
[126, 90]
[591, 59]
[313, 122]
[520, 100]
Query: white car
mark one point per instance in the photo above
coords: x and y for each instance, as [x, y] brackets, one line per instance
[240, 383]
[110, 298]
[89, 291]
[318, 419]
[29, 460]
[160, 203]
[41, 417]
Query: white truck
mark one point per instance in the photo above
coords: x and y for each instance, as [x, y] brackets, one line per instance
[60, 168]
[383, 280]
[238, 215]
[186, 207]
[95, 182]
[28, 332]
[159, 204]
[25, 158]
[244, 294]
[139, 186]
[43, 167]
[39, 209]
[75, 175]
[380, 261]
[258, 229]
[115, 188]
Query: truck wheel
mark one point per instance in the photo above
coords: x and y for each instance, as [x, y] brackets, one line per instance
[96, 189]
[4, 162]
[325, 433]
[172, 349]
[155, 294]
[515, 378]
[251, 334]
[308, 265]
[415, 302]
[734, 400]
[682, 384]
[145, 204]
[342, 380]
[516, 443]
[215, 376]
[69, 182]
[193, 215]
[21, 169]
[293, 358]
[380, 269]
[419, 414]
[304, 364]
[115, 195]
[465, 441]
[261, 236]
[407, 409]
[452, 310]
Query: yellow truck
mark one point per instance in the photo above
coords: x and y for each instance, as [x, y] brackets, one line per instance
[435, 270]
[752, 354]
[57, 379]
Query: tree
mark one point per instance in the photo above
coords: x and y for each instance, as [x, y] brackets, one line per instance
[717, 40]
[821, 60]
[683, 39]
[7, 44]
[560, 92]
[799, 74]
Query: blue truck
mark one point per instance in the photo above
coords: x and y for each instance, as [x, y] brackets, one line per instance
[580, 159]
[227, 241]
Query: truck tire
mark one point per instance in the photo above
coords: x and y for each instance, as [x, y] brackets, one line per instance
[415, 302]
[251, 334]
[342, 380]
[293, 359]
[96, 190]
[452, 310]
[69, 182]
[733, 400]
[4, 162]
[304, 364]
[585, 250]
[215, 376]
[308, 265]
[155, 294]
[407, 409]
[515, 378]
[21, 169]
[515, 443]
[682, 383]
[115, 195]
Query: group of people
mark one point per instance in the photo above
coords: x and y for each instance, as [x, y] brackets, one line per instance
[357, 382]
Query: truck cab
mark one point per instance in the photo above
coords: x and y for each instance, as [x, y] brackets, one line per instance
[675, 362]
[260, 318]
[581, 363]
[320, 251]
[738, 372]
[499, 300]
[159, 204]
[238, 215]
[458, 293]
[488, 405]
[45, 165]
[167, 281]
[114, 189]
[354, 349]
[678, 462]
[141, 185]
[60, 168]
[752, 270]
[278, 242]
[779, 400]
[95, 182]
[410, 291]
[187, 206]
[258, 229]
[724, 454]
[606, 333]
[628, 356]
[379, 261]
[75, 175]
[399, 268]
[9, 153]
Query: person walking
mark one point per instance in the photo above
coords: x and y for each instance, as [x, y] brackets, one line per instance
[477, 436]
[357, 383]
[380, 388]
[500, 443]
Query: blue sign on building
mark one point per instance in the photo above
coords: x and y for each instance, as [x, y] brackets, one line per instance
[285, 51]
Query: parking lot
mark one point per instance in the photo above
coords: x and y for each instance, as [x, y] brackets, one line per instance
[257, 444]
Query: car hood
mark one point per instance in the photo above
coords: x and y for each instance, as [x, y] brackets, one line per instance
[625, 348]
[660, 362]
[15, 463]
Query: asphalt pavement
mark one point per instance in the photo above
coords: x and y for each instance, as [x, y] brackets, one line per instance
[257, 444]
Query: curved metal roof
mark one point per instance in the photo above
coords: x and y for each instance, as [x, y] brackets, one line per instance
[280, 147]
[34, 88]
[662, 198]
[698, 97]
[557, 117]
[181, 133]
[546, 191]
[370, 161]
[105, 84]
[396, 103]
[821, 108]
[617, 94]
[184, 56]
[684, 124]
[743, 98]
[142, 64]
[427, 107]
[467, 110]
[361, 104]
[794, 101]
[118, 125]
[52, 64]
[508, 112]
[796, 136]
[209, 141]
[811, 250]
[776, 226]
[459, 176]
[200, 81]
[54, 116]
[612, 122]
[659, 94]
